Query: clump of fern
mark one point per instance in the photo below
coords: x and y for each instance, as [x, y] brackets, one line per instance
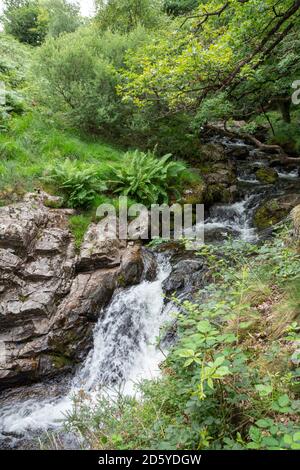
[78, 183]
[147, 178]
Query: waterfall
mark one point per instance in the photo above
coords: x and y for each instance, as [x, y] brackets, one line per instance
[124, 339]
[124, 353]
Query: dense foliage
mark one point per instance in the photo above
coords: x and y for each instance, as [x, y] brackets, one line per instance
[146, 178]
[14, 64]
[233, 47]
[126, 15]
[31, 21]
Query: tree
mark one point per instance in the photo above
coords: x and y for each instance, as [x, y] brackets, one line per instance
[21, 20]
[60, 16]
[243, 50]
[14, 65]
[126, 15]
[179, 7]
[79, 74]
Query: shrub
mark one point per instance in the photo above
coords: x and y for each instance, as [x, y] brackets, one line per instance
[79, 183]
[146, 178]
[79, 73]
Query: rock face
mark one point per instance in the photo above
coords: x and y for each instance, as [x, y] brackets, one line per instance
[50, 297]
[188, 271]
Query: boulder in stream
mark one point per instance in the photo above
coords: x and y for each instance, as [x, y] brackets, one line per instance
[267, 175]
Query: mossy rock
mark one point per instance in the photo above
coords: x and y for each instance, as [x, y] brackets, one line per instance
[221, 174]
[195, 194]
[273, 211]
[267, 175]
[217, 193]
[212, 152]
[60, 362]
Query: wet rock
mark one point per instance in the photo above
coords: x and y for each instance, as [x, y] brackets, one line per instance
[150, 265]
[240, 152]
[186, 276]
[73, 322]
[220, 182]
[188, 270]
[274, 210]
[212, 152]
[267, 175]
[132, 265]
[50, 299]
[218, 193]
[221, 174]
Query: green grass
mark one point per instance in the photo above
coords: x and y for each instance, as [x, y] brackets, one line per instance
[78, 226]
[33, 142]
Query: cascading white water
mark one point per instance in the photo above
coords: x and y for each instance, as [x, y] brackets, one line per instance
[294, 174]
[124, 340]
[124, 353]
[232, 219]
[236, 217]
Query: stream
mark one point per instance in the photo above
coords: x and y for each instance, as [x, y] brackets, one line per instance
[124, 346]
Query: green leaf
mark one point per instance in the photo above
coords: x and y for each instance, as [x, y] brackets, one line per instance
[296, 437]
[222, 371]
[287, 439]
[264, 423]
[204, 326]
[264, 390]
[185, 352]
[283, 400]
[270, 442]
[188, 362]
[219, 361]
[210, 383]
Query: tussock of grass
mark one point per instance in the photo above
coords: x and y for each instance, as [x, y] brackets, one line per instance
[78, 225]
[286, 311]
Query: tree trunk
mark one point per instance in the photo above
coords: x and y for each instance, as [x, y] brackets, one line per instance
[284, 106]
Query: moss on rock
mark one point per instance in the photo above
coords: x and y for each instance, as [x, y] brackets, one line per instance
[195, 194]
[275, 210]
[267, 175]
[212, 152]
